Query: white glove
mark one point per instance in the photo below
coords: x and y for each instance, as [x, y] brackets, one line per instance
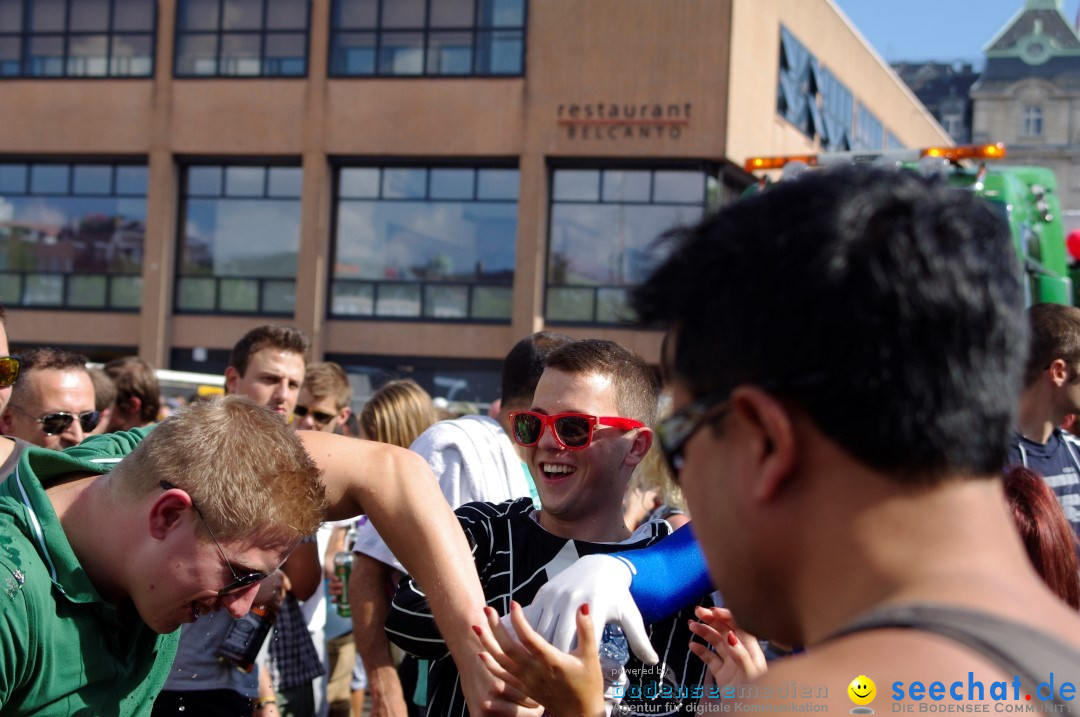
[604, 583]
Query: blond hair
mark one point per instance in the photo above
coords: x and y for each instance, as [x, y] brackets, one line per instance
[653, 474]
[397, 413]
[239, 462]
[327, 378]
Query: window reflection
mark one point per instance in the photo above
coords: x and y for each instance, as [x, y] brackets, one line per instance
[241, 38]
[47, 38]
[604, 225]
[241, 235]
[72, 236]
[437, 243]
[439, 37]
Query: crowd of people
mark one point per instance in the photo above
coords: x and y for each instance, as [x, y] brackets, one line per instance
[850, 464]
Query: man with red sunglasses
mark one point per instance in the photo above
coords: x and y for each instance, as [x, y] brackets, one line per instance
[587, 429]
[52, 405]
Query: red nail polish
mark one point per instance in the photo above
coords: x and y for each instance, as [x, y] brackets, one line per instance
[732, 640]
[585, 609]
[477, 630]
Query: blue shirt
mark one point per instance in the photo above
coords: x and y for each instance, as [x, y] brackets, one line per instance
[1058, 462]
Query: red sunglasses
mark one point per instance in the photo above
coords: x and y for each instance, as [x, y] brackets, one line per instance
[571, 430]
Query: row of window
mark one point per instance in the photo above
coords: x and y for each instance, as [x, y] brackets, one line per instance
[409, 242]
[262, 38]
[812, 98]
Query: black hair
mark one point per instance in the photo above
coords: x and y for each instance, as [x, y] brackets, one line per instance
[1055, 334]
[888, 306]
[522, 367]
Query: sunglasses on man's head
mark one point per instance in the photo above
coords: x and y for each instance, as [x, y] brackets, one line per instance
[9, 370]
[239, 582]
[318, 416]
[56, 423]
[571, 430]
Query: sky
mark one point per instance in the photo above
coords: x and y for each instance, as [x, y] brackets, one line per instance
[942, 30]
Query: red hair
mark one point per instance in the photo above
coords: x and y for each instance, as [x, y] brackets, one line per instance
[1050, 541]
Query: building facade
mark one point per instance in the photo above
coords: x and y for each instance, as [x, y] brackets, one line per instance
[415, 183]
[1028, 96]
[944, 89]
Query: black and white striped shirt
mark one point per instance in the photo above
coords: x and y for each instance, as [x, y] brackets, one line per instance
[514, 558]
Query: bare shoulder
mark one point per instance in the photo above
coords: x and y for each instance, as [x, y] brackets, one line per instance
[889, 663]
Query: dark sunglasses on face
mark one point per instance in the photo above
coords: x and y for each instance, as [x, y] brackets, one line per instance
[240, 582]
[674, 432]
[319, 417]
[9, 370]
[571, 430]
[56, 423]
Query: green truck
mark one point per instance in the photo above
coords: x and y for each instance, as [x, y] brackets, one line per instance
[1024, 197]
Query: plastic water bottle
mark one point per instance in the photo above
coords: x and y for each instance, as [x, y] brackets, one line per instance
[614, 652]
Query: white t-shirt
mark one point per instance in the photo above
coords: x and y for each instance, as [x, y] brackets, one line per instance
[473, 460]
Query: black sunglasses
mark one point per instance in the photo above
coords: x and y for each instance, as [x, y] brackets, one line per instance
[675, 431]
[9, 370]
[56, 423]
[239, 582]
[318, 416]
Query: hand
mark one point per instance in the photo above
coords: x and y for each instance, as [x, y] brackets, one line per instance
[601, 582]
[334, 588]
[736, 657]
[564, 683]
[487, 694]
[385, 697]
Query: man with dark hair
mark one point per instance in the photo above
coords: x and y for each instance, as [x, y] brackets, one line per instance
[1051, 391]
[587, 429]
[138, 397]
[267, 365]
[52, 406]
[845, 368]
[474, 460]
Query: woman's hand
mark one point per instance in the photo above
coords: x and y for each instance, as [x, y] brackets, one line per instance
[565, 683]
[736, 656]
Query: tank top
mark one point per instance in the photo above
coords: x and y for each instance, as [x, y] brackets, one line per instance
[1017, 649]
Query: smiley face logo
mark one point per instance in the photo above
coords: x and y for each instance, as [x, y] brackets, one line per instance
[862, 690]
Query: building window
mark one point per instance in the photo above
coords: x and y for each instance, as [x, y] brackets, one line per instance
[427, 37]
[240, 233]
[241, 38]
[604, 223]
[812, 98]
[954, 125]
[869, 131]
[71, 235]
[431, 243]
[77, 38]
[1031, 121]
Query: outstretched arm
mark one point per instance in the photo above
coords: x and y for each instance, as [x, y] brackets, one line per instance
[394, 487]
